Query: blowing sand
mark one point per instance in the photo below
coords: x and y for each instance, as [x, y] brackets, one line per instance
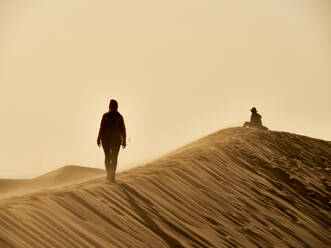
[236, 188]
[63, 176]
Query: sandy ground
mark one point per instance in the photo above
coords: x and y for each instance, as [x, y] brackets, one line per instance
[63, 176]
[236, 188]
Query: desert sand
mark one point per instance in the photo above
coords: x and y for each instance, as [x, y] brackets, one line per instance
[63, 176]
[238, 187]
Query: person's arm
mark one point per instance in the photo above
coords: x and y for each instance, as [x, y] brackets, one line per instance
[259, 119]
[101, 130]
[123, 133]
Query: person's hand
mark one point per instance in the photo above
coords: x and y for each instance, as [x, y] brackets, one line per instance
[123, 144]
[98, 142]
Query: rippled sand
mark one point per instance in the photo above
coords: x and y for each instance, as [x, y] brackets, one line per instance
[236, 188]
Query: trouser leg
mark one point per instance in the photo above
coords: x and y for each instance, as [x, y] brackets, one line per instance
[106, 149]
[107, 165]
[113, 157]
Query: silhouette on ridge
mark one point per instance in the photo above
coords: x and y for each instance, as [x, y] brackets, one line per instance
[256, 120]
[112, 134]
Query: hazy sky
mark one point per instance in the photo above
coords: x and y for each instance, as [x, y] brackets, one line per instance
[179, 69]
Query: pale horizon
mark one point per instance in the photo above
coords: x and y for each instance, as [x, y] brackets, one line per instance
[179, 70]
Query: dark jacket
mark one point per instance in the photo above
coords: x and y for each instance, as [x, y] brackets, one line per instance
[256, 120]
[112, 127]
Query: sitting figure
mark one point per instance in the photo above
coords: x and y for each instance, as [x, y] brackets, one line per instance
[256, 121]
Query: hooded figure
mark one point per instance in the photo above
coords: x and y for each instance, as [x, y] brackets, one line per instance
[112, 135]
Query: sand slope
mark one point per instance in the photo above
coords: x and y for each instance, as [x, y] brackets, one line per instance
[63, 176]
[235, 188]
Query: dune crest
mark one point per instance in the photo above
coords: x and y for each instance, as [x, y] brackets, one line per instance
[235, 188]
[63, 176]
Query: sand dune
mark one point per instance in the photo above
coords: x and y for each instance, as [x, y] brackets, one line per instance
[236, 188]
[63, 176]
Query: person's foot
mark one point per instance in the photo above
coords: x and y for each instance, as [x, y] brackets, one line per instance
[112, 177]
[109, 181]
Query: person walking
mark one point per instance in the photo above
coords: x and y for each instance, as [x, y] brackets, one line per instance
[112, 134]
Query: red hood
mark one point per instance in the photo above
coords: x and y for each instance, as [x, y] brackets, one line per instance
[113, 105]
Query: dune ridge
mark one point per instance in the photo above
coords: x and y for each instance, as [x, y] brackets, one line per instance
[65, 175]
[235, 188]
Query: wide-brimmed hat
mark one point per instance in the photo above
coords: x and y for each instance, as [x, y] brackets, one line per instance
[253, 110]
